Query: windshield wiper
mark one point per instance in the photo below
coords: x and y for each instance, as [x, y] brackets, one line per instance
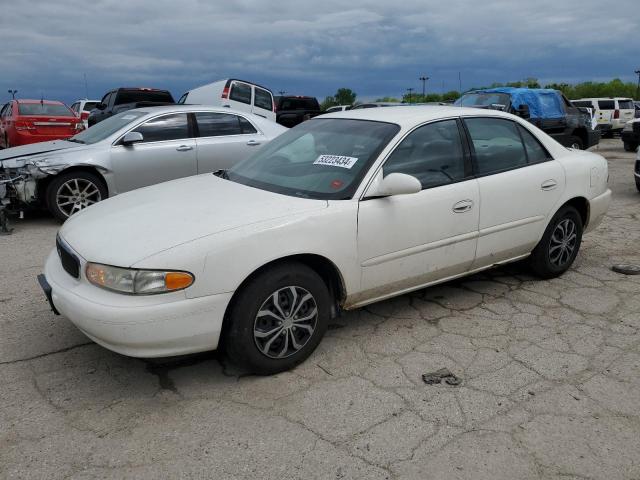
[222, 173]
[74, 140]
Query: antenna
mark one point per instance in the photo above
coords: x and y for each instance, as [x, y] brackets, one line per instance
[86, 87]
[460, 85]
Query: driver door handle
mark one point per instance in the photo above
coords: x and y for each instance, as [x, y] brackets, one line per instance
[253, 142]
[184, 148]
[462, 206]
[549, 184]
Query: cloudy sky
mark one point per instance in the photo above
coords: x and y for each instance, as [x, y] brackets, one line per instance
[375, 47]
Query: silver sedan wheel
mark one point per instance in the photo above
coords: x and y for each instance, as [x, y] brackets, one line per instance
[285, 322]
[76, 194]
[563, 242]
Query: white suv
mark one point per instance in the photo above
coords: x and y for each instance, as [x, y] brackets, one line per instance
[82, 109]
[619, 110]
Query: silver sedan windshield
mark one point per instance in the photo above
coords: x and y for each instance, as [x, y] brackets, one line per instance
[107, 127]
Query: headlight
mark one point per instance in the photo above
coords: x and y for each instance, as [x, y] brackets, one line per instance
[137, 282]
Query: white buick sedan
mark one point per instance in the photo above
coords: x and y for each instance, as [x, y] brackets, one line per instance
[341, 211]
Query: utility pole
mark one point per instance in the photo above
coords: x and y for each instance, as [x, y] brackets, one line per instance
[423, 79]
[13, 93]
[637, 72]
[410, 90]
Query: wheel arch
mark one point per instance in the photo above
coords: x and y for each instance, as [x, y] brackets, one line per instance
[44, 183]
[581, 133]
[581, 204]
[325, 268]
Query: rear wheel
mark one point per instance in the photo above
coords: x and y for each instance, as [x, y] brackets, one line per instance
[71, 192]
[278, 319]
[559, 245]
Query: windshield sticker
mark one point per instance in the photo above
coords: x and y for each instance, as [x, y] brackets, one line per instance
[128, 117]
[336, 161]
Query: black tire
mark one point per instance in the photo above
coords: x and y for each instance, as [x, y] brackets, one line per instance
[244, 324]
[96, 192]
[576, 142]
[630, 147]
[543, 259]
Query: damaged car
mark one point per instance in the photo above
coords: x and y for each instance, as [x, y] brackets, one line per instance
[130, 150]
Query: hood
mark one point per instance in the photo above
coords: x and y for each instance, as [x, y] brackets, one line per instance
[37, 149]
[127, 228]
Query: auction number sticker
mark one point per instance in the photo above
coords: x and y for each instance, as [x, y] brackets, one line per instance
[336, 161]
[129, 117]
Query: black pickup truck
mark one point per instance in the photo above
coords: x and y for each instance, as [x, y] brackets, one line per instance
[122, 99]
[547, 109]
[292, 110]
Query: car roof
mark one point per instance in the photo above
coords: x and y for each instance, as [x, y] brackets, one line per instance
[48, 102]
[190, 107]
[408, 116]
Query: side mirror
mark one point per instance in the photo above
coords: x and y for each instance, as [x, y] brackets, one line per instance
[100, 106]
[523, 111]
[393, 184]
[131, 138]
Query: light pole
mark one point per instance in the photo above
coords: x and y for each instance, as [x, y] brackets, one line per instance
[13, 93]
[424, 81]
[410, 90]
[637, 72]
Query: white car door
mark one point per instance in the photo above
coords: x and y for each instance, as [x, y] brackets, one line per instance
[167, 152]
[406, 241]
[263, 103]
[224, 139]
[240, 97]
[519, 186]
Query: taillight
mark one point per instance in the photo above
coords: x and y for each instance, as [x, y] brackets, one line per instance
[275, 109]
[616, 114]
[225, 92]
[24, 125]
[84, 115]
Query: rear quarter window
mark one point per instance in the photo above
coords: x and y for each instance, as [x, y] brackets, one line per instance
[626, 104]
[606, 104]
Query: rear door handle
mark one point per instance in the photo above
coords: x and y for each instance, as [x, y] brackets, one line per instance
[549, 184]
[253, 143]
[184, 148]
[463, 206]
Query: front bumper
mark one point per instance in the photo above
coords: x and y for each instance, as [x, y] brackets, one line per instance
[598, 207]
[137, 326]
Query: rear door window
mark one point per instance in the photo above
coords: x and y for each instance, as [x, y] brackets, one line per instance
[212, 124]
[606, 104]
[432, 153]
[536, 153]
[263, 99]
[167, 127]
[497, 145]
[246, 126]
[240, 92]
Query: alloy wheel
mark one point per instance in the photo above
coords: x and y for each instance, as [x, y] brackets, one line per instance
[76, 194]
[563, 242]
[285, 322]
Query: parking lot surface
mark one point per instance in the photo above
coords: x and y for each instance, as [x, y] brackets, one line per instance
[550, 381]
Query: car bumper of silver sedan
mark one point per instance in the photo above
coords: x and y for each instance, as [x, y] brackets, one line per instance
[137, 326]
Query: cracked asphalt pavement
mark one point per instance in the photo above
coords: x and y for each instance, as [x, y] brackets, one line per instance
[550, 386]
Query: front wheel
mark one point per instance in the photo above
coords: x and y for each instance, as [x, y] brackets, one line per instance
[559, 245]
[576, 142]
[71, 192]
[277, 319]
[630, 147]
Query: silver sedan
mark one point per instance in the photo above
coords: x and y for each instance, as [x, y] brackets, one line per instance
[130, 150]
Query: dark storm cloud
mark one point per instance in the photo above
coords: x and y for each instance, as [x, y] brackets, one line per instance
[375, 47]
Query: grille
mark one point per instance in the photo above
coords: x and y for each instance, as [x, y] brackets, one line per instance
[70, 262]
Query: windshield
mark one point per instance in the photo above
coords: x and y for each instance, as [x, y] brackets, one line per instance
[483, 100]
[107, 127]
[49, 109]
[321, 158]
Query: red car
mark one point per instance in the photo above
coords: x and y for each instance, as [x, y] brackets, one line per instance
[30, 121]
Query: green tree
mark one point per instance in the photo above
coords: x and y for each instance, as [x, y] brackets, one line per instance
[345, 96]
[328, 102]
[387, 99]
